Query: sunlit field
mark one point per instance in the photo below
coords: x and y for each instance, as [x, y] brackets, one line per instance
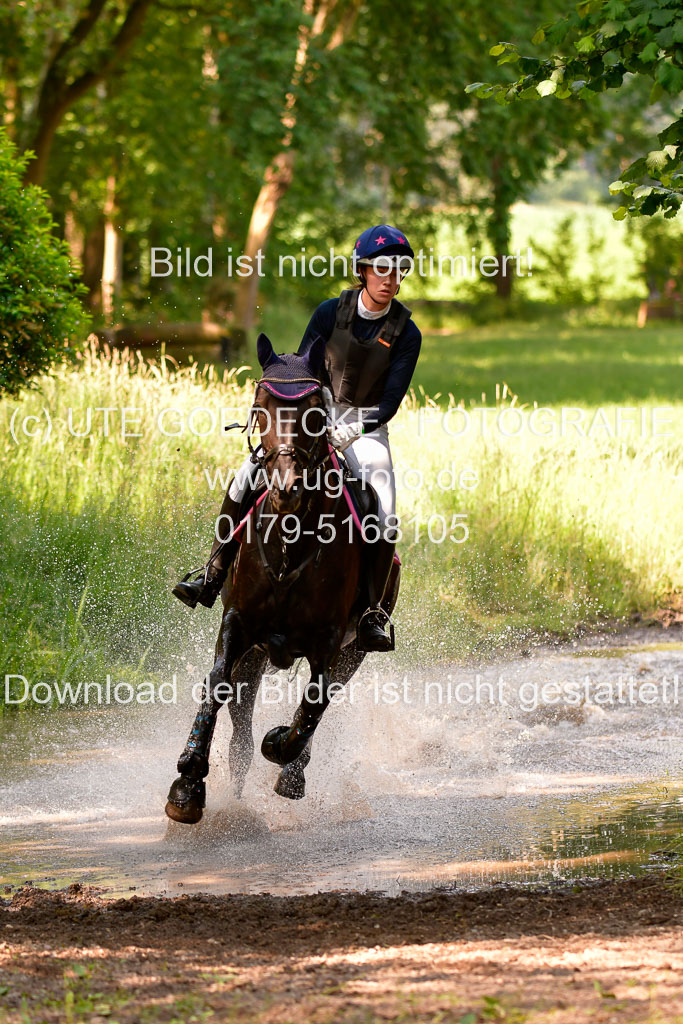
[554, 528]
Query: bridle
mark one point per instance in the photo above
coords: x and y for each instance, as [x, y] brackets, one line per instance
[310, 459]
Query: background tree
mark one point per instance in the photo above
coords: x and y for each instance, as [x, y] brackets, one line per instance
[54, 55]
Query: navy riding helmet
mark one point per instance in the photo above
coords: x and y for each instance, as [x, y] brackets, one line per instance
[382, 240]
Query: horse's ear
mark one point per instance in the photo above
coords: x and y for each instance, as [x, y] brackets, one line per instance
[264, 351]
[313, 353]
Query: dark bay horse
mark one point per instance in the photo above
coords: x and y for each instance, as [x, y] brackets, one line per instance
[292, 592]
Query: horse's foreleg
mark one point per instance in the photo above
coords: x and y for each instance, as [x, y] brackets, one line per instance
[291, 782]
[246, 678]
[187, 795]
[284, 744]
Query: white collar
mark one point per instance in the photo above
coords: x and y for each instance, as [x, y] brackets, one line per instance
[371, 314]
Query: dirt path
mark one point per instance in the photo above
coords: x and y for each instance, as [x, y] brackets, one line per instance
[598, 952]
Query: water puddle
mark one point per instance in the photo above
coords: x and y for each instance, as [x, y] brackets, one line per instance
[409, 795]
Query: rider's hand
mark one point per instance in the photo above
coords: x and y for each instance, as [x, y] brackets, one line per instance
[344, 434]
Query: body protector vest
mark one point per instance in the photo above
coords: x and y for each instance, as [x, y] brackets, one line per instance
[356, 368]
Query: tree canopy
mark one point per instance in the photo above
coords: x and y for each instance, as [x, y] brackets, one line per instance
[604, 41]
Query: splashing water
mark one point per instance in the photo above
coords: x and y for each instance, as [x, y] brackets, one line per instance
[410, 785]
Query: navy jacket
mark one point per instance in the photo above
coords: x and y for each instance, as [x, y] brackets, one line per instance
[405, 351]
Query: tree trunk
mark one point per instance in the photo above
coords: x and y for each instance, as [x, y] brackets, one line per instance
[277, 180]
[93, 252]
[73, 235]
[12, 111]
[498, 231]
[278, 176]
[112, 252]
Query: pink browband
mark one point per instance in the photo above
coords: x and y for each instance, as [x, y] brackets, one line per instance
[279, 394]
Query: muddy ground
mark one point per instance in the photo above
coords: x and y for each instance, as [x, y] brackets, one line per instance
[593, 951]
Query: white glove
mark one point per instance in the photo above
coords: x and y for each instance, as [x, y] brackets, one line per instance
[344, 434]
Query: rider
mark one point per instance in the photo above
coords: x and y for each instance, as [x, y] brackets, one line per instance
[370, 355]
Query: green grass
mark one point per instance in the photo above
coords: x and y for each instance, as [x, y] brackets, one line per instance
[554, 362]
[557, 358]
[563, 530]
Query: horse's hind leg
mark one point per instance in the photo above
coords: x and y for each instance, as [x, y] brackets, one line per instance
[187, 795]
[291, 781]
[246, 678]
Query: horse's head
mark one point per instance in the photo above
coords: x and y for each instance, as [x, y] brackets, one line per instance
[289, 409]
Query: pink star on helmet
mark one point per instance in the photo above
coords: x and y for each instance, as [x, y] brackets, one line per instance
[357, 243]
[401, 240]
[381, 240]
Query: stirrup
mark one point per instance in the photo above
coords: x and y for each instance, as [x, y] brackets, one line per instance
[203, 591]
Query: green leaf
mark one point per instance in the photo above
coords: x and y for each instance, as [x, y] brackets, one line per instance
[473, 86]
[672, 133]
[621, 213]
[633, 24]
[611, 57]
[670, 77]
[657, 159]
[665, 38]
[662, 15]
[642, 191]
[585, 45]
[538, 37]
[496, 50]
[649, 52]
[617, 186]
[610, 28]
[546, 88]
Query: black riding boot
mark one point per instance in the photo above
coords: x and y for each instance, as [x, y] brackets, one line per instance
[371, 635]
[208, 585]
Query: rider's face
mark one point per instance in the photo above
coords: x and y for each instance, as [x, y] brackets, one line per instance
[382, 286]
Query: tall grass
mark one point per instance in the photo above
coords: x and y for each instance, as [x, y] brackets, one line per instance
[96, 528]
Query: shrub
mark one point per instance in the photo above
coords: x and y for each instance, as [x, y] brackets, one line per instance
[40, 312]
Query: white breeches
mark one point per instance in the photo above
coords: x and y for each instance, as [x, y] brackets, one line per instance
[369, 460]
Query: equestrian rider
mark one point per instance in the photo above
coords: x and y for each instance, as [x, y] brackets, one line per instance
[371, 351]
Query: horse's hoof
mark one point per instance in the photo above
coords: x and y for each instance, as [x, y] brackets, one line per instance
[291, 784]
[186, 800]
[271, 747]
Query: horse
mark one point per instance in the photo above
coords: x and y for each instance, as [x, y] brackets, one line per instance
[283, 599]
